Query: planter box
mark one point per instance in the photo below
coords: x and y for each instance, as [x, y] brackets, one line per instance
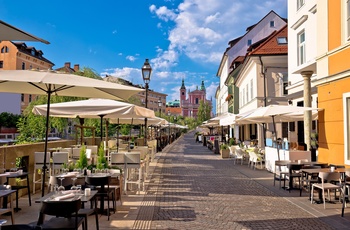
[225, 153]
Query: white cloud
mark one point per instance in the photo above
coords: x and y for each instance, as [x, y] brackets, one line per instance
[204, 27]
[130, 58]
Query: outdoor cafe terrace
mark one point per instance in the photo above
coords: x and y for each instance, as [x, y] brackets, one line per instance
[186, 179]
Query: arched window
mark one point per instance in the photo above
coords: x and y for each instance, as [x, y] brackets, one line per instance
[4, 49]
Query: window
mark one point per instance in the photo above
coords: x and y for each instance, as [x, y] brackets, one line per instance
[249, 42]
[182, 93]
[301, 48]
[22, 97]
[30, 98]
[197, 101]
[348, 18]
[346, 112]
[23, 66]
[247, 92]
[300, 3]
[1, 64]
[282, 41]
[285, 85]
[251, 89]
[4, 49]
[272, 24]
[243, 97]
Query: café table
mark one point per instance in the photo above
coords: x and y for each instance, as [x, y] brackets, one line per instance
[84, 198]
[299, 165]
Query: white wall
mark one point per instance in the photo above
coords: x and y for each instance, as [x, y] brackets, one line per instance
[303, 19]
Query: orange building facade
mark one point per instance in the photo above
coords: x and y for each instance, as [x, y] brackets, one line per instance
[333, 82]
[19, 56]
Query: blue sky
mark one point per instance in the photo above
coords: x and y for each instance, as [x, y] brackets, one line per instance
[181, 38]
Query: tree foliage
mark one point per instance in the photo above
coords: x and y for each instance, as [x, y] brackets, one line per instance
[203, 111]
[9, 119]
[102, 162]
[32, 127]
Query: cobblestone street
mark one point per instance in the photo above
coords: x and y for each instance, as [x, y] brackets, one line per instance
[192, 188]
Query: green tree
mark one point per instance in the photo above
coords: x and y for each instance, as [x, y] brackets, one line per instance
[83, 161]
[101, 159]
[32, 127]
[9, 119]
[203, 111]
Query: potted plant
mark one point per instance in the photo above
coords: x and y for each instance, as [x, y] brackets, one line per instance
[224, 151]
[101, 158]
[83, 161]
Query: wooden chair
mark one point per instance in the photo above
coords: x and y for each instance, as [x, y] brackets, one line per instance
[104, 191]
[38, 164]
[65, 215]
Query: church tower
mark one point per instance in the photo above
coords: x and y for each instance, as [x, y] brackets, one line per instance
[182, 93]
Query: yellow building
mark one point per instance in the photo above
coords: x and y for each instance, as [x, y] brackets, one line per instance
[333, 80]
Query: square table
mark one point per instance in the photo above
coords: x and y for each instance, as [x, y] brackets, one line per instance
[82, 196]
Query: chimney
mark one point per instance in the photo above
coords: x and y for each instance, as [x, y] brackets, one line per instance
[76, 67]
[67, 64]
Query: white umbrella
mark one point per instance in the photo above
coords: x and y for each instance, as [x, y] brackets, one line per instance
[11, 33]
[273, 114]
[48, 83]
[95, 108]
[278, 113]
[138, 121]
[224, 119]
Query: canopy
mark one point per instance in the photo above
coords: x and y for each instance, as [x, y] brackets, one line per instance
[61, 84]
[273, 114]
[137, 121]
[224, 119]
[11, 33]
[95, 108]
[49, 82]
[278, 113]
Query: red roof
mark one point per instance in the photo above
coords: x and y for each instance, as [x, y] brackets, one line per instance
[270, 46]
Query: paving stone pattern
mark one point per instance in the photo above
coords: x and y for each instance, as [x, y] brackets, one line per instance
[192, 188]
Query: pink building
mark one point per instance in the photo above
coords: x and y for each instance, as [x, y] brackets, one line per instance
[190, 105]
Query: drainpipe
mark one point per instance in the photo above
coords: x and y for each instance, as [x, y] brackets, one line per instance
[264, 76]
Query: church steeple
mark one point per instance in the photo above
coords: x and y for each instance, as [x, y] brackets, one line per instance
[202, 86]
[183, 84]
[182, 93]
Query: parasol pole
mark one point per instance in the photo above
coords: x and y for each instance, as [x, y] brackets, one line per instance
[274, 128]
[118, 135]
[49, 92]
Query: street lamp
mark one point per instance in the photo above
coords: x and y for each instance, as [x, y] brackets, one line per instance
[160, 130]
[169, 126]
[146, 75]
[160, 107]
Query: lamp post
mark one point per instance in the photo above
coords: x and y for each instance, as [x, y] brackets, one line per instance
[169, 126]
[146, 75]
[160, 130]
[175, 128]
